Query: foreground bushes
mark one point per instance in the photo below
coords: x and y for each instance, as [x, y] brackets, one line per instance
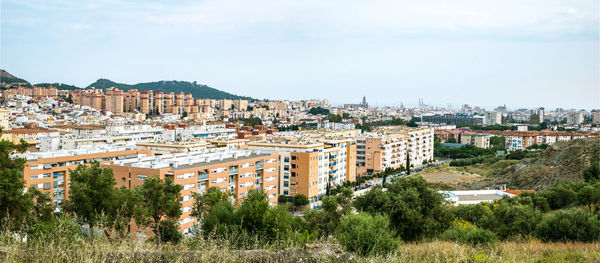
[467, 233]
[569, 225]
[366, 235]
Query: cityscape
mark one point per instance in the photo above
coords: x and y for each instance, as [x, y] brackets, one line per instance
[175, 170]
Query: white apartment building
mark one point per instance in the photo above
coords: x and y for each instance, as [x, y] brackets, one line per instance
[493, 117]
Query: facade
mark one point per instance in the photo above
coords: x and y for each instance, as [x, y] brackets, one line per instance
[491, 118]
[596, 117]
[311, 166]
[477, 139]
[4, 118]
[235, 172]
[575, 118]
[34, 92]
[113, 100]
[49, 171]
[389, 147]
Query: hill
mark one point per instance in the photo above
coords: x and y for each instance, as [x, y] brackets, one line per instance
[561, 162]
[61, 86]
[197, 90]
[8, 78]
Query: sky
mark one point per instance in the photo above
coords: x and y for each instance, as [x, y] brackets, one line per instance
[522, 53]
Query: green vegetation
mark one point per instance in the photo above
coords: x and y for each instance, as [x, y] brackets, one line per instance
[60, 86]
[318, 111]
[366, 234]
[250, 121]
[334, 118]
[368, 126]
[408, 210]
[197, 90]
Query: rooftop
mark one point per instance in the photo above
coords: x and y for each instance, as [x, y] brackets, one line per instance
[32, 156]
[182, 161]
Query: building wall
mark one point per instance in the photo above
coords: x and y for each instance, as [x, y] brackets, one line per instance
[51, 175]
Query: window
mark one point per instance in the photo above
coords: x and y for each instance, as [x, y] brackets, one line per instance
[141, 177]
[294, 166]
[294, 158]
[286, 184]
[123, 179]
[286, 167]
[286, 159]
[293, 174]
[286, 176]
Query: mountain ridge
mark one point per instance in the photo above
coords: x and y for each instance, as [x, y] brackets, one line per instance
[199, 91]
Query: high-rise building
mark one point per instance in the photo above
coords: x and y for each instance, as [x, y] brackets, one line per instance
[493, 117]
[575, 117]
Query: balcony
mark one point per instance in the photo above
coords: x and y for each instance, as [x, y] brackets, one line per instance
[202, 177]
[260, 166]
[233, 171]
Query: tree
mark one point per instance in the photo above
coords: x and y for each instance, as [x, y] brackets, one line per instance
[127, 205]
[300, 201]
[318, 111]
[515, 219]
[42, 206]
[15, 204]
[407, 163]
[204, 202]
[334, 207]
[451, 140]
[251, 212]
[569, 225]
[589, 195]
[219, 218]
[497, 141]
[161, 201]
[534, 119]
[346, 115]
[92, 194]
[334, 118]
[592, 172]
[560, 196]
[282, 199]
[465, 232]
[414, 209]
[365, 234]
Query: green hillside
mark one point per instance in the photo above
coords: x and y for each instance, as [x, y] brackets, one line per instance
[8, 78]
[197, 90]
[61, 86]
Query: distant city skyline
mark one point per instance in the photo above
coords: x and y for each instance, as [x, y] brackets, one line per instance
[478, 52]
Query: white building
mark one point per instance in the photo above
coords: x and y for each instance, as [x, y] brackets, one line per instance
[575, 118]
[493, 117]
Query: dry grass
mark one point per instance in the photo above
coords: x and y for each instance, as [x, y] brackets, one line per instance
[528, 251]
[218, 250]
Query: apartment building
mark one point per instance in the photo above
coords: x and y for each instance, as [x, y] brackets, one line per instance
[4, 118]
[49, 171]
[377, 151]
[113, 100]
[389, 146]
[493, 117]
[309, 166]
[575, 117]
[34, 92]
[168, 147]
[235, 171]
[477, 139]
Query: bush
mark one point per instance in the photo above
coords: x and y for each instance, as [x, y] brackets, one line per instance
[59, 229]
[366, 235]
[569, 225]
[467, 233]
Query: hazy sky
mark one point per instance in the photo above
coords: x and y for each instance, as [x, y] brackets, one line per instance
[480, 52]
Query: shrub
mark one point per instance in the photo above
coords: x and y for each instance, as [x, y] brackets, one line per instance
[569, 225]
[366, 235]
[59, 229]
[467, 233]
